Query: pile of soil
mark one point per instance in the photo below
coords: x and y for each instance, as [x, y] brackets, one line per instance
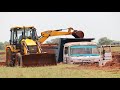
[115, 60]
[2, 58]
[2, 52]
[2, 63]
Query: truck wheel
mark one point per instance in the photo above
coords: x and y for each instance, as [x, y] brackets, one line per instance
[9, 58]
[18, 60]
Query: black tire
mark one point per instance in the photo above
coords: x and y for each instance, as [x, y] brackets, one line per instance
[9, 58]
[18, 60]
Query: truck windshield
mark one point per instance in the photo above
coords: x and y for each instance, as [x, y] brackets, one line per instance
[84, 50]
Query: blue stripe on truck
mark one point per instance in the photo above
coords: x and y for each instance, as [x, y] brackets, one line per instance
[83, 46]
[84, 55]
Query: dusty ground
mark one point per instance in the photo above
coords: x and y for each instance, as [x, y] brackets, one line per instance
[59, 71]
[95, 67]
[109, 66]
[111, 69]
[2, 58]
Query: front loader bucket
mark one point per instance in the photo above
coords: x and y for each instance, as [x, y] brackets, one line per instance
[43, 59]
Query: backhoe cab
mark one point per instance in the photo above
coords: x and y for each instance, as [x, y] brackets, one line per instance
[20, 33]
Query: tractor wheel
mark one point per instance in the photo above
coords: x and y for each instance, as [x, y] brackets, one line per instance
[9, 58]
[18, 60]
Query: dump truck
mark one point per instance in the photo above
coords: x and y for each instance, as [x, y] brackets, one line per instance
[75, 50]
[81, 52]
[78, 50]
[24, 49]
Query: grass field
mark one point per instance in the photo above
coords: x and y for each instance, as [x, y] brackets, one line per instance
[2, 50]
[59, 71]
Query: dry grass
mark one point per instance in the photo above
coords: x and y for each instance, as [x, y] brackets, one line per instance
[59, 71]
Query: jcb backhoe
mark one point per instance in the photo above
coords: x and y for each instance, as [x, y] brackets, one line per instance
[25, 50]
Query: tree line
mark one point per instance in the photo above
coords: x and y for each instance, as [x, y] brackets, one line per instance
[107, 41]
[101, 41]
[3, 44]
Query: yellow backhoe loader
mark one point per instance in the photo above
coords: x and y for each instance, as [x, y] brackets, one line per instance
[25, 50]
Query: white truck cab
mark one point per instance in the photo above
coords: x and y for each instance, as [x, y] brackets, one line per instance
[81, 52]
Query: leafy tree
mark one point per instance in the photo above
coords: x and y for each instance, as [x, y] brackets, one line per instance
[48, 42]
[53, 41]
[104, 41]
[1, 46]
[6, 43]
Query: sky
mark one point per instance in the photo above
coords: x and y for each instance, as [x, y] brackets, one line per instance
[93, 24]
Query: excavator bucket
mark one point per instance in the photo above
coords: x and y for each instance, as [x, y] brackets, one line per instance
[78, 34]
[43, 59]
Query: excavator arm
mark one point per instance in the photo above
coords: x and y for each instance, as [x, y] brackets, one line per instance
[71, 31]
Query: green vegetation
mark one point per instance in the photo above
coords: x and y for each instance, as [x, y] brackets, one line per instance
[59, 71]
[2, 45]
[107, 41]
[2, 50]
[104, 41]
[53, 41]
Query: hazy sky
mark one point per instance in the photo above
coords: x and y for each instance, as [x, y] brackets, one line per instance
[93, 24]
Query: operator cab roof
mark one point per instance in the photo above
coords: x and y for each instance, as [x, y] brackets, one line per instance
[18, 27]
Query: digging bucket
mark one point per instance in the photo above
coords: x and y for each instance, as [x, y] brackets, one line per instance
[78, 34]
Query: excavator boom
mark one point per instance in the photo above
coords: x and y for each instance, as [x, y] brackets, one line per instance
[71, 31]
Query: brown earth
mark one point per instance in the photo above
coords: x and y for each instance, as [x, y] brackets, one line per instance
[2, 53]
[115, 60]
[115, 63]
[108, 68]
[2, 58]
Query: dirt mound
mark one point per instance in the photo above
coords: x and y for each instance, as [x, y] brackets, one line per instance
[2, 52]
[108, 68]
[2, 58]
[113, 64]
[2, 63]
[115, 60]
